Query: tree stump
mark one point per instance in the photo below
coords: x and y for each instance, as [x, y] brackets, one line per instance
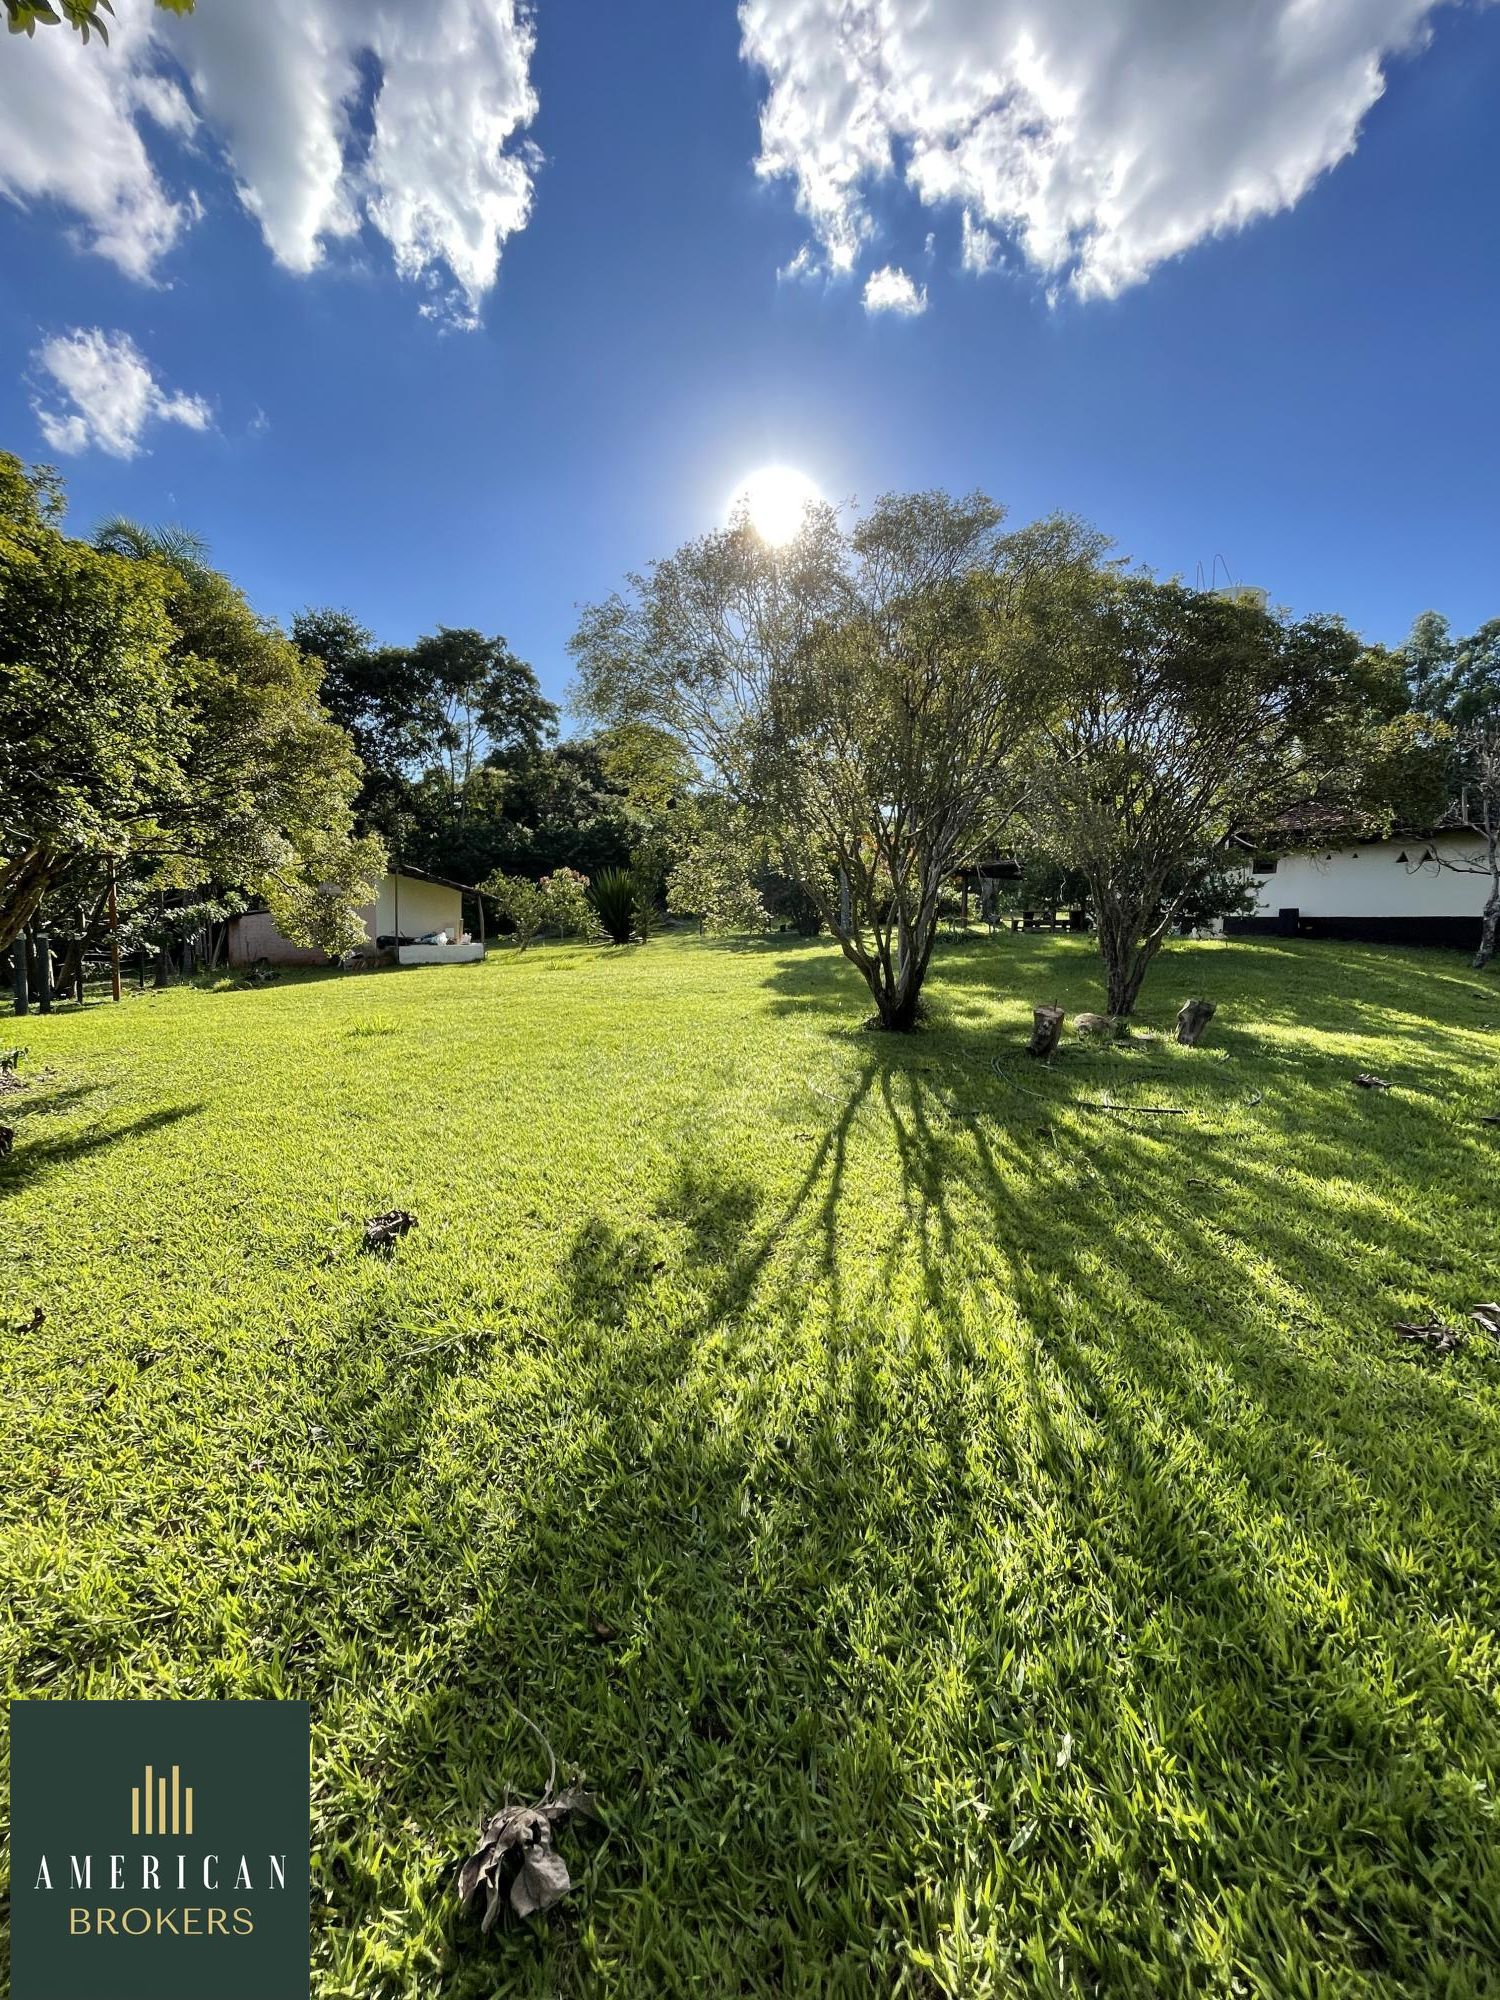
[1098, 1024]
[1046, 1031]
[1194, 1018]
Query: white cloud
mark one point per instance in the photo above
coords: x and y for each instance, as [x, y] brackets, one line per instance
[333, 115]
[1101, 139]
[70, 134]
[109, 394]
[890, 290]
[980, 247]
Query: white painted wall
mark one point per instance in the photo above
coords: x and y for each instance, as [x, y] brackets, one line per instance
[423, 907]
[1371, 881]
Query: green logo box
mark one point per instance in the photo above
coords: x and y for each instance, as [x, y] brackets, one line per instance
[159, 1850]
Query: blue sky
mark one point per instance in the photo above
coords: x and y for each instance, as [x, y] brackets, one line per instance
[1311, 396]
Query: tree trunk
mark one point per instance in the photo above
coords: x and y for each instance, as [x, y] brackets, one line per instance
[1122, 982]
[22, 887]
[1490, 924]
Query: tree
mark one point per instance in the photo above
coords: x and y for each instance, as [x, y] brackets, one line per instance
[173, 544]
[1456, 681]
[379, 696]
[864, 699]
[429, 720]
[488, 703]
[23, 16]
[1189, 717]
[1476, 758]
[90, 733]
[147, 714]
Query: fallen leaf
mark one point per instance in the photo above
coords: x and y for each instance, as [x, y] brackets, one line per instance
[516, 1855]
[384, 1232]
[1487, 1315]
[1431, 1333]
[542, 1881]
[1367, 1080]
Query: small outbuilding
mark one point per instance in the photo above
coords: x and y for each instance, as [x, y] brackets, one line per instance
[418, 916]
[1421, 887]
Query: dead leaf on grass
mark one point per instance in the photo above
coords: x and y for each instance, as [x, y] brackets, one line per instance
[1433, 1333]
[1367, 1080]
[1487, 1315]
[384, 1232]
[516, 1855]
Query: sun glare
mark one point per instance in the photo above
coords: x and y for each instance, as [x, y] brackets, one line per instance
[776, 498]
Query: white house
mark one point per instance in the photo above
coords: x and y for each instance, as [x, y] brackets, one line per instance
[1394, 891]
[411, 911]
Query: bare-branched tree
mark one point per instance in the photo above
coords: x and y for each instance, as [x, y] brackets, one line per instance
[1476, 749]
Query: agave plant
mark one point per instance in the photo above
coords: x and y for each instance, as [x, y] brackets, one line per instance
[614, 894]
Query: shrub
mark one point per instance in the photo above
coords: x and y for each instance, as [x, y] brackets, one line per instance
[614, 895]
[568, 906]
[523, 904]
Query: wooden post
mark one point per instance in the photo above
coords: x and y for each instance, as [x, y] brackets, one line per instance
[1046, 1031]
[22, 983]
[114, 936]
[43, 973]
[479, 898]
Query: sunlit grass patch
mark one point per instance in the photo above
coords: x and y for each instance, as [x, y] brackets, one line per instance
[975, 1541]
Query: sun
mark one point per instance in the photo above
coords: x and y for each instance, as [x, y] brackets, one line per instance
[776, 499]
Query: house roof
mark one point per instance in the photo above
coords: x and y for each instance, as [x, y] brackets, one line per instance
[1323, 825]
[443, 881]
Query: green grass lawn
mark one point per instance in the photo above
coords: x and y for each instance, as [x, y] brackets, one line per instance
[972, 1543]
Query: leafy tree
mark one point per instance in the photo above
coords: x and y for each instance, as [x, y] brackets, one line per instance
[488, 704]
[23, 16]
[429, 720]
[864, 699]
[380, 698]
[1189, 716]
[568, 905]
[90, 734]
[521, 902]
[147, 714]
[558, 808]
[1457, 681]
[711, 879]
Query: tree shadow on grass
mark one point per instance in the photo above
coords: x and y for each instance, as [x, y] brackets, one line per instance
[33, 1159]
[1050, 1576]
[1132, 1523]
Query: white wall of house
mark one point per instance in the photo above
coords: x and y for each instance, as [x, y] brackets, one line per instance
[422, 907]
[255, 936]
[1371, 880]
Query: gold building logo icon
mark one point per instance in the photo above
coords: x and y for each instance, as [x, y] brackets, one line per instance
[166, 1810]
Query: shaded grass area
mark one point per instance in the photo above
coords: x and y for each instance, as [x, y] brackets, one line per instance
[973, 1544]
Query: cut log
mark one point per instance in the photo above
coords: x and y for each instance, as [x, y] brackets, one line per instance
[1193, 1019]
[1046, 1031]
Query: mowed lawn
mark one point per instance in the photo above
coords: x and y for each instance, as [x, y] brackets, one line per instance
[973, 1543]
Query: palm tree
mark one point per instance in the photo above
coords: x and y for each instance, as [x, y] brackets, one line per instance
[172, 543]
